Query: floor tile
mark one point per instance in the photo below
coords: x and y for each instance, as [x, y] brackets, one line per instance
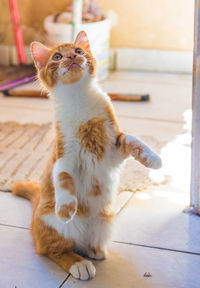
[127, 266]
[14, 211]
[24, 115]
[162, 131]
[150, 77]
[170, 95]
[21, 267]
[26, 103]
[155, 217]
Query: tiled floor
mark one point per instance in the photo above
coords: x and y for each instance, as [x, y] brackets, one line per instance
[155, 245]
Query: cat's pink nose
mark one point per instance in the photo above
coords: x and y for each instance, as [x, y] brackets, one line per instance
[71, 55]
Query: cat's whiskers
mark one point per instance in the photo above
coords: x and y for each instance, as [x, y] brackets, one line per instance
[37, 85]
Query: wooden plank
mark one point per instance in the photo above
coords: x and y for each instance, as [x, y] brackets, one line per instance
[195, 169]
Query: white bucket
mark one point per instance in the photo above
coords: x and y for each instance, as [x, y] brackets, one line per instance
[98, 35]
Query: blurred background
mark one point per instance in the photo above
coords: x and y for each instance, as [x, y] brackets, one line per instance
[139, 25]
[152, 24]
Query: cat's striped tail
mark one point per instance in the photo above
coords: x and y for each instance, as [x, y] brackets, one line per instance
[28, 190]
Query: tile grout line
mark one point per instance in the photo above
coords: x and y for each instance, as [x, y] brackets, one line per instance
[137, 79]
[121, 242]
[65, 280]
[13, 226]
[151, 119]
[158, 248]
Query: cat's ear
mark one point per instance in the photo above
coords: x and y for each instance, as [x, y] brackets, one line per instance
[40, 54]
[82, 41]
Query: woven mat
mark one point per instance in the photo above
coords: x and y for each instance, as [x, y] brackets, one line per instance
[24, 150]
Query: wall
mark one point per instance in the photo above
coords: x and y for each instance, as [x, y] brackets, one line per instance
[157, 24]
[151, 24]
[32, 13]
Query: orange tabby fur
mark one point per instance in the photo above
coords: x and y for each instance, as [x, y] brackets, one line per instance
[97, 141]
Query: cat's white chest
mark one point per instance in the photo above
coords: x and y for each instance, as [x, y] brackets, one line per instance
[75, 108]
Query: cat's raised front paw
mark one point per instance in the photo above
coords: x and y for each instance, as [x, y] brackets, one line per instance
[66, 212]
[152, 160]
[83, 270]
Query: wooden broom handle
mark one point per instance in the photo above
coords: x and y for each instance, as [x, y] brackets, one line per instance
[14, 12]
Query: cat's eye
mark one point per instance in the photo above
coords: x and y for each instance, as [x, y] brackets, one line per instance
[57, 57]
[78, 51]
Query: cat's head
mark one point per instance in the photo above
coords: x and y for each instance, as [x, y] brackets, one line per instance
[65, 62]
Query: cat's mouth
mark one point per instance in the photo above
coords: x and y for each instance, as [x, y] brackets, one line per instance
[74, 64]
[71, 66]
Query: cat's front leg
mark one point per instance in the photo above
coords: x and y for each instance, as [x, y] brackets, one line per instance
[131, 145]
[65, 192]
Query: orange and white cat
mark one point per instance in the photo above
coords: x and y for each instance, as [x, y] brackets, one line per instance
[72, 205]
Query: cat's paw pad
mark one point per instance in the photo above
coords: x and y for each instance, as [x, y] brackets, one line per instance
[83, 270]
[97, 254]
[66, 212]
[153, 161]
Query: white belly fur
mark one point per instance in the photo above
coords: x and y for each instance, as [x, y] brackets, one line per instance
[90, 231]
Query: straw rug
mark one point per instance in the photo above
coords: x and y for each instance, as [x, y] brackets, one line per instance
[24, 150]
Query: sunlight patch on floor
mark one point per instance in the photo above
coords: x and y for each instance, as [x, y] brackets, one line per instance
[176, 157]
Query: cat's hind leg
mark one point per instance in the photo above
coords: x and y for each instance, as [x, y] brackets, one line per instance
[50, 243]
[101, 230]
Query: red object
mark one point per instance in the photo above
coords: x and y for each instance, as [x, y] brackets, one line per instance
[14, 12]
